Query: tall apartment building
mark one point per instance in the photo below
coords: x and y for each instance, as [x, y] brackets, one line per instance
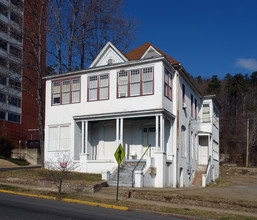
[18, 110]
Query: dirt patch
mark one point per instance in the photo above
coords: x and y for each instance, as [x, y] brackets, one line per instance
[235, 190]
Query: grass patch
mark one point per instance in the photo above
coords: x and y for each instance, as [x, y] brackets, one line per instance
[11, 188]
[18, 162]
[42, 174]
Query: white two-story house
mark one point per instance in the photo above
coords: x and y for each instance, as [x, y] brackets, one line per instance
[139, 99]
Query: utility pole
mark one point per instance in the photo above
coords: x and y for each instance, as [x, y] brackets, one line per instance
[247, 143]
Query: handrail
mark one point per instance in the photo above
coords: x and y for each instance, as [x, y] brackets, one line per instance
[138, 163]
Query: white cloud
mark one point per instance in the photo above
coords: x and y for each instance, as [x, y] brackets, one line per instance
[249, 64]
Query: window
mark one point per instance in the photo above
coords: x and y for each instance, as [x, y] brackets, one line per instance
[15, 101]
[2, 114]
[15, 34]
[59, 138]
[192, 105]
[183, 141]
[66, 91]
[2, 80]
[75, 90]
[103, 87]
[56, 93]
[98, 87]
[15, 17]
[135, 82]
[123, 84]
[15, 67]
[17, 3]
[3, 62]
[2, 97]
[15, 51]
[168, 84]
[206, 113]
[14, 83]
[147, 80]
[13, 117]
[3, 44]
[183, 93]
[195, 109]
[92, 88]
[3, 10]
[3, 27]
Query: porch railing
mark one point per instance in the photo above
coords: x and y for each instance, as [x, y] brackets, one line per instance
[138, 163]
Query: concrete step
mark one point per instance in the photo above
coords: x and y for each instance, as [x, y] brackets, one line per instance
[125, 174]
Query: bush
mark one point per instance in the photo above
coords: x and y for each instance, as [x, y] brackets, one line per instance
[6, 147]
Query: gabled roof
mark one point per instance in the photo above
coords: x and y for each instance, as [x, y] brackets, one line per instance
[137, 53]
[109, 51]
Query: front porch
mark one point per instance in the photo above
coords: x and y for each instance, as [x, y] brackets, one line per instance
[96, 140]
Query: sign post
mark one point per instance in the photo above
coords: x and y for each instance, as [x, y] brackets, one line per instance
[119, 154]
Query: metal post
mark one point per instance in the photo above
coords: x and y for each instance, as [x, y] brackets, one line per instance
[117, 193]
[247, 143]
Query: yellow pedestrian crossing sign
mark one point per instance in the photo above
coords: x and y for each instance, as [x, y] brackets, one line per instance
[119, 154]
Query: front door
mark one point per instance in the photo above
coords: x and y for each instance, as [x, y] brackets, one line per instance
[149, 139]
[203, 150]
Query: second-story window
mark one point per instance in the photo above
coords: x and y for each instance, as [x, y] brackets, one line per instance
[123, 84]
[98, 87]
[195, 109]
[206, 113]
[56, 93]
[147, 80]
[66, 91]
[168, 84]
[183, 93]
[135, 82]
[192, 106]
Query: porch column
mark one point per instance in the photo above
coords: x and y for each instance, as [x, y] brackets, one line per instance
[117, 131]
[162, 132]
[86, 137]
[121, 133]
[157, 132]
[83, 137]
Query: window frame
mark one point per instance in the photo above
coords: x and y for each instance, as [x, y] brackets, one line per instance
[61, 92]
[168, 84]
[98, 87]
[192, 105]
[141, 81]
[183, 93]
[195, 109]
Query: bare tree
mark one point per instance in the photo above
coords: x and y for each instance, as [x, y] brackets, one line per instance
[60, 168]
[34, 42]
[88, 26]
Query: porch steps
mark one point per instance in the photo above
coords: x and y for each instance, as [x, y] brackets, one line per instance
[198, 175]
[125, 177]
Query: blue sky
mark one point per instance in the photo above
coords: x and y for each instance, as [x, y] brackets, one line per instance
[207, 37]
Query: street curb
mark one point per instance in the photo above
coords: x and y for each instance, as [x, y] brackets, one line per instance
[69, 200]
[29, 195]
[96, 204]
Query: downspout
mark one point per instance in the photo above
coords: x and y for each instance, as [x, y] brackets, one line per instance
[189, 150]
[178, 128]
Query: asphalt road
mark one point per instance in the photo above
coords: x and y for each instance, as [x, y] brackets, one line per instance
[22, 207]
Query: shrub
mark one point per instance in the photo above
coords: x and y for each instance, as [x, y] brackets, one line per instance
[6, 147]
